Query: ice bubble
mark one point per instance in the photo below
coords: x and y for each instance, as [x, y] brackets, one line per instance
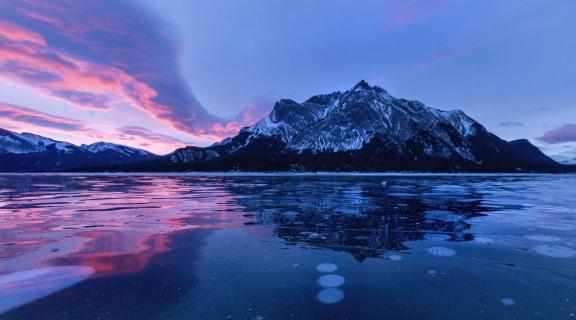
[330, 295]
[22, 287]
[326, 267]
[331, 281]
[442, 215]
[507, 301]
[290, 213]
[437, 236]
[313, 235]
[395, 257]
[484, 240]
[441, 251]
[542, 237]
[555, 251]
[431, 272]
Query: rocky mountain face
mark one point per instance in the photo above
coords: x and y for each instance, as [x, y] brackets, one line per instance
[30, 152]
[362, 129]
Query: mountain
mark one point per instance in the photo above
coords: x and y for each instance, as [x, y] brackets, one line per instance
[30, 152]
[362, 129]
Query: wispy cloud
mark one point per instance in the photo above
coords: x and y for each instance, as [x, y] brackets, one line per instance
[13, 113]
[564, 133]
[94, 54]
[133, 132]
[511, 124]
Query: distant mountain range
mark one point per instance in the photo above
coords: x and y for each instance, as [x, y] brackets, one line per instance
[29, 152]
[362, 129]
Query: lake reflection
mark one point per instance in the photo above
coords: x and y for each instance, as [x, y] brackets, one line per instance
[287, 247]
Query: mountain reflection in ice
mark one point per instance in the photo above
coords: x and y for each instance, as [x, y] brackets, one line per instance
[217, 247]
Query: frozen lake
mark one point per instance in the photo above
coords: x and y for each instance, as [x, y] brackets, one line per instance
[287, 247]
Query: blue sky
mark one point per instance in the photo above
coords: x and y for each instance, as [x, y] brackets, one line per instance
[161, 74]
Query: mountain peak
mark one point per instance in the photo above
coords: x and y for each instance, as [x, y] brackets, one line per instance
[362, 85]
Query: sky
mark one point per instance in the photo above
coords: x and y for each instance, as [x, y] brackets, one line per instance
[162, 74]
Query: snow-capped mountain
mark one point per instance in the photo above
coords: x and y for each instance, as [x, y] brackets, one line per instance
[30, 152]
[363, 129]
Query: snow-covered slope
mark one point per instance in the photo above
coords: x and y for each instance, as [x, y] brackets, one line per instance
[11, 142]
[98, 147]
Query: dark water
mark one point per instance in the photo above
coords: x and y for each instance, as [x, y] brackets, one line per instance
[287, 247]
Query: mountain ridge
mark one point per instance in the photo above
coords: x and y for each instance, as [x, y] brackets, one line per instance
[31, 152]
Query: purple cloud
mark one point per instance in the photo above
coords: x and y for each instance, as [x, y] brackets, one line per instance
[564, 133]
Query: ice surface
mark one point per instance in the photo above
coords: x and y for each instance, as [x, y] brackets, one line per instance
[555, 251]
[437, 236]
[542, 237]
[442, 215]
[484, 240]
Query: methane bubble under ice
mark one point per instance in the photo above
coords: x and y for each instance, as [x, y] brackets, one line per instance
[326, 267]
[331, 281]
[330, 295]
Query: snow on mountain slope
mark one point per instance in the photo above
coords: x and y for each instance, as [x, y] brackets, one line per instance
[25, 142]
[118, 148]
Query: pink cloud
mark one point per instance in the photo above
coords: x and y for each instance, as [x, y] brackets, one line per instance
[134, 132]
[405, 15]
[95, 54]
[445, 55]
[564, 133]
[28, 116]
